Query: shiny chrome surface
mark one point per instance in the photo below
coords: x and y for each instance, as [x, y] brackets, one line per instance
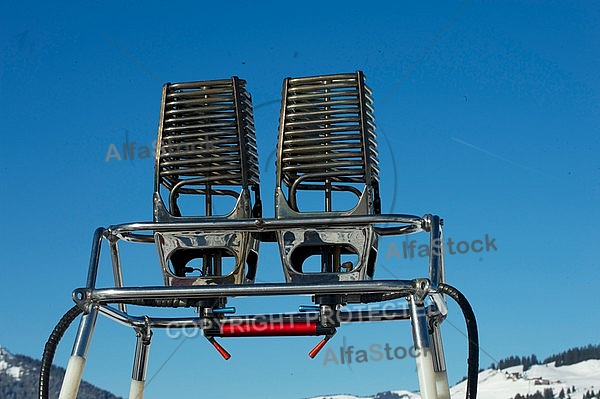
[439, 361]
[115, 295]
[115, 258]
[356, 316]
[206, 152]
[326, 137]
[84, 333]
[436, 248]
[327, 147]
[142, 352]
[143, 231]
[94, 258]
[206, 145]
[418, 319]
[422, 345]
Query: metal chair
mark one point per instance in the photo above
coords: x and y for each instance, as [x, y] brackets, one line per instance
[206, 153]
[327, 154]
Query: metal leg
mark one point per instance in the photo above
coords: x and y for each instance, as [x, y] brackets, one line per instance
[140, 362]
[70, 385]
[423, 355]
[439, 363]
[117, 271]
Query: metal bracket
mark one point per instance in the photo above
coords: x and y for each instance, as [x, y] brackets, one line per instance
[83, 299]
[422, 289]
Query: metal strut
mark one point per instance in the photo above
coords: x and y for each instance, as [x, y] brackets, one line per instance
[140, 361]
[74, 371]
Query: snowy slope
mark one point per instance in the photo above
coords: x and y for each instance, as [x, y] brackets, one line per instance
[398, 394]
[19, 379]
[6, 367]
[505, 384]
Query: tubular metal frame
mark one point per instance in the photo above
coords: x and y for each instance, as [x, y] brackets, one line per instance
[112, 302]
[327, 144]
[206, 149]
[331, 290]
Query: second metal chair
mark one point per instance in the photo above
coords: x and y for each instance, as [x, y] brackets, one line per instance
[327, 167]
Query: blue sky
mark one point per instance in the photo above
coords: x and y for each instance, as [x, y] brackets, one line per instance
[487, 115]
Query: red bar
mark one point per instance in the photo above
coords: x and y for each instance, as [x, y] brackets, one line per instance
[222, 351]
[267, 329]
[317, 348]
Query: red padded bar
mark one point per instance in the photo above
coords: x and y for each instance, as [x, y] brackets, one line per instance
[268, 329]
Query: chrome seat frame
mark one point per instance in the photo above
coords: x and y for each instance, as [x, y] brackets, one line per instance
[206, 151]
[327, 145]
[426, 304]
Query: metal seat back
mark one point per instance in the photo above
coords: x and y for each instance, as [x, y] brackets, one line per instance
[206, 157]
[327, 155]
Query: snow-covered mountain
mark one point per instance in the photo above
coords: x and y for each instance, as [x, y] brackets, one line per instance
[19, 379]
[19, 374]
[575, 381]
[7, 366]
[504, 384]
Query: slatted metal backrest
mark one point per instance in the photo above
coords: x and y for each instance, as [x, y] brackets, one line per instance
[206, 145]
[327, 137]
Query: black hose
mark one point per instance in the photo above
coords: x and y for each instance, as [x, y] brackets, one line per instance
[472, 335]
[50, 349]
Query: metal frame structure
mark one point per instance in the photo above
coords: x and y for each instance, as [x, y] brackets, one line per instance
[327, 146]
[206, 152]
[426, 302]
[215, 322]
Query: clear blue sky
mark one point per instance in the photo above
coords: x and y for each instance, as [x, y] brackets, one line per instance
[491, 118]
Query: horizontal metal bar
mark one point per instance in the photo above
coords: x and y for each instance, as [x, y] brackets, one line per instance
[116, 295]
[352, 316]
[130, 320]
[387, 231]
[258, 225]
[355, 316]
